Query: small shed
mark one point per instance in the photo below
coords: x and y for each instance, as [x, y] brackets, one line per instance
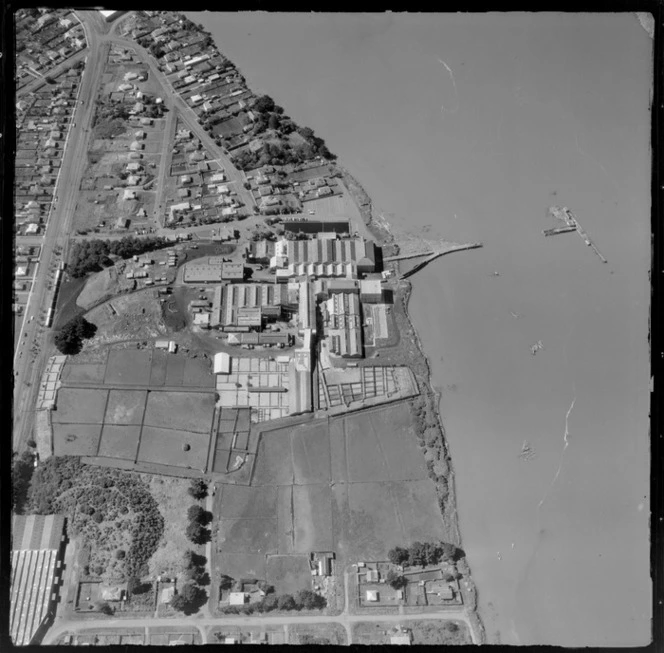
[167, 594]
[372, 595]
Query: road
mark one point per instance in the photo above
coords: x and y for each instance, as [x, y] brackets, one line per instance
[28, 371]
[206, 625]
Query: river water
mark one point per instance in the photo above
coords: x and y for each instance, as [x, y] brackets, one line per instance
[468, 128]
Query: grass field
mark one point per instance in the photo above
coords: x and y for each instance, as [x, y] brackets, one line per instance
[186, 411]
[375, 517]
[99, 286]
[166, 447]
[240, 565]
[119, 441]
[445, 633]
[288, 573]
[246, 501]
[75, 439]
[312, 508]
[83, 373]
[381, 495]
[248, 535]
[80, 406]
[310, 634]
[125, 407]
[128, 367]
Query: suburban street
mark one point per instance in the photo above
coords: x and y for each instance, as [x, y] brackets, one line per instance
[207, 625]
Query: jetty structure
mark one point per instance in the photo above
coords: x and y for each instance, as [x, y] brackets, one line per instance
[571, 224]
[431, 251]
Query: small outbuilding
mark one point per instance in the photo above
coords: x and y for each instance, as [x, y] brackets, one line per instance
[222, 363]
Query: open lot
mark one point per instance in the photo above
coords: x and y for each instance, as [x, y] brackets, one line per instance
[166, 447]
[247, 501]
[333, 634]
[76, 439]
[80, 406]
[186, 411]
[128, 367]
[119, 442]
[248, 535]
[375, 517]
[288, 573]
[381, 495]
[84, 373]
[125, 407]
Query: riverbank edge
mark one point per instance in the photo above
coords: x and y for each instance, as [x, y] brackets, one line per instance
[380, 230]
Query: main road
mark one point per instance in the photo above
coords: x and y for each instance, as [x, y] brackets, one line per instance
[207, 624]
[32, 339]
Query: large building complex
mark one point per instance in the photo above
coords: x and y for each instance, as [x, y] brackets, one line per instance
[245, 306]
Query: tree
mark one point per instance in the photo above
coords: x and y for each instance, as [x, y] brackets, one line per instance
[198, 489]
[22, 470]
[197, 534]
[69, 339]
[32, 444]
[273, 122]
[189, 598]
[120, 554]
[448, 552]
[199, 515]
[286, 602]
[264, 104]
[103, 607]
[269, 603]
[398, 555]
[417, 554]
[193, 559]
[397, 581]
[310, 600]
[225, 582]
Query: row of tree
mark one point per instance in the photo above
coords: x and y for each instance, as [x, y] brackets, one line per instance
[93, 255]
[69, 339]
[199, 519]
[424, 553]
[304, 600]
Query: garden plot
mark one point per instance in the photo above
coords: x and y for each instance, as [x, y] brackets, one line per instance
[128, 366]
[125, 407]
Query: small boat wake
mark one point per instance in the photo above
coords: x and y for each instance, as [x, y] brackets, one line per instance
[560, 464]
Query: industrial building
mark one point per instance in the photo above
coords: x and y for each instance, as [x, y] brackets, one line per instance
[212, 269]
[247, 305]
[343, 324]
[309, 226]
[38, 546]
[327, 250]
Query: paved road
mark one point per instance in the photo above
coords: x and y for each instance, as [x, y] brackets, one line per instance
[207, 624]
[28, 370]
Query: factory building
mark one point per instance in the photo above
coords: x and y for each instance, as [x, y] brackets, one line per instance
[327, 250]
[245, 306]
[343, 324]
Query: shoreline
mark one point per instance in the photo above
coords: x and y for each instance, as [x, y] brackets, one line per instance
[447, 496]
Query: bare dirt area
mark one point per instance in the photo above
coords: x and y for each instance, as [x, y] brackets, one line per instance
[136, 316]
[99, 287]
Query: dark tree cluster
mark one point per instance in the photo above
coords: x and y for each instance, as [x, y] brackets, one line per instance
[22, 469]
[69, 339]
[424, 553]
[63, 484]
[197, 530]
[189, 599]
[198, 489]
[93, 255]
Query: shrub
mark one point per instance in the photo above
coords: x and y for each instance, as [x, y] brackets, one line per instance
[120, 554]
[199, 515]
[310, 600]
[286, 602]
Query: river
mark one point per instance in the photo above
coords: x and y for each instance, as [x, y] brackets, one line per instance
[468, 127]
